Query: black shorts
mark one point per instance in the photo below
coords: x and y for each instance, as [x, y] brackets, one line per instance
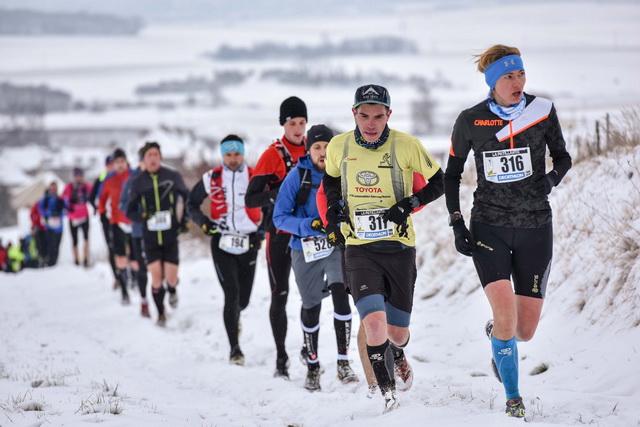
[121, 242]
[166, 252]
[392, 275]
[524, 254]
[84, 226]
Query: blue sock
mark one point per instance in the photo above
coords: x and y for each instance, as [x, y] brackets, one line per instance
[505, 353]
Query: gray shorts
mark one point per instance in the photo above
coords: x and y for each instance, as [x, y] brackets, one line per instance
[313, 278]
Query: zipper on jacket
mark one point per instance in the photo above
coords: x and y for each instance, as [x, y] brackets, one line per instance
[156, 195]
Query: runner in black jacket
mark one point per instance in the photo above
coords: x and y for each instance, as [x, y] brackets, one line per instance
[511, 233]
[153, 199]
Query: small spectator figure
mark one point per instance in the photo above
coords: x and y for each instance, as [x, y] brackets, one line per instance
[15, 258]
[51, 208]
[3, 256]
[39, 232]
[30, 251]
[75, 196]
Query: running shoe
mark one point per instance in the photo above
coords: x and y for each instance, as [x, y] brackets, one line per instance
[162, 320]
[515, 407]
[346, 374]
[390, 401]
[236, 357]
[403, 373]
[371, 391]
[312, 382]
[173, 299]
[488, 329]
[282, 367]
[144, 309]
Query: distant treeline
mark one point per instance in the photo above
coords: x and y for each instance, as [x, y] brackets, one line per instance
[302, 76]
[195, 84]
[36, 100]
[271, 50]
[28, 22]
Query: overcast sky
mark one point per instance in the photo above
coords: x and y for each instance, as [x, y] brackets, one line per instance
[153, 11]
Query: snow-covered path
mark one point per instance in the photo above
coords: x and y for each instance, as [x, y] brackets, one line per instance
[68, 348]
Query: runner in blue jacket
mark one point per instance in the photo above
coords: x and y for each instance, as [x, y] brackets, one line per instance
[313, 259]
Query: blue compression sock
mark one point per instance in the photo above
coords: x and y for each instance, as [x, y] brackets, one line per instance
[505, 353]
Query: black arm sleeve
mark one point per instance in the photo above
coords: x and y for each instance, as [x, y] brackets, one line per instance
[452, 178]
[433, 189]
[561, 162]
[134, 211]
[94, 193]
[557, 146]
[332, 189]
[194, 200]
[258, 193]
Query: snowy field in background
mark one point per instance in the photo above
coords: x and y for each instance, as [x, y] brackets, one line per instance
[68, 348]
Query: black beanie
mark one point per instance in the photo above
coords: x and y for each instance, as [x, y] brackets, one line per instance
[318, 133]
[292, 107]
[119, 153]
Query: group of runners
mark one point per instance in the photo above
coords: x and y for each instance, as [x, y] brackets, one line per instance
[336, 209]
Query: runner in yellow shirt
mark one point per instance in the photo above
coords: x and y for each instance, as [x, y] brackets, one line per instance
[368, 183]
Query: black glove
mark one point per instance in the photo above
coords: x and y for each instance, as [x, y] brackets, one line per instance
[183, 228]
[209, 227]
[399, 212]
[544, 184]
[335, 213]
[463, 239]
[334, 235]
[316, 225]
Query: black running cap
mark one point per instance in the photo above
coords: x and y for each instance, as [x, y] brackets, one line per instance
[372, 94]
[318, 133]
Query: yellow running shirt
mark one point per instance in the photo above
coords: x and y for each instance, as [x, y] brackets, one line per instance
[375, 180]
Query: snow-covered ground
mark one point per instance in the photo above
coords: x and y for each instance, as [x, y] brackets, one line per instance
[71, 354]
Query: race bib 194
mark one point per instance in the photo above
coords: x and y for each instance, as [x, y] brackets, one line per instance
[504, 166]
[315, 248]
[369, 224]
[233, 243]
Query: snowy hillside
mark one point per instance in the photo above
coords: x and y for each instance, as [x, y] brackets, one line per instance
[72, 354]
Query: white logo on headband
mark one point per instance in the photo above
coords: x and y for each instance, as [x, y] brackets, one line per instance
[506, 63]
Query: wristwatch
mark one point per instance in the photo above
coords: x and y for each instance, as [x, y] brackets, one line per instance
[457, 216]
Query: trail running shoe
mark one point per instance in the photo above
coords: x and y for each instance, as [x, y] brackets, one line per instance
[390, 401]
[162, 320]
[312, 382]
[345, 374]
[144, 309]
[515, 407]
[236, 357]
[125, 299]
[282, 367]
[173, 299]
[403, 373]
[488, 328]
[371, 391]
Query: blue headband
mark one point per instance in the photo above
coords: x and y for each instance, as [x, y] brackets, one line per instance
[501, 67]
[232, 145]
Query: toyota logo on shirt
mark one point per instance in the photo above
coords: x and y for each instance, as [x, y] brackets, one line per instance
[367, 178]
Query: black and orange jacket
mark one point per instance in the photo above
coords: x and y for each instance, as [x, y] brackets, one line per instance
[511, 204]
